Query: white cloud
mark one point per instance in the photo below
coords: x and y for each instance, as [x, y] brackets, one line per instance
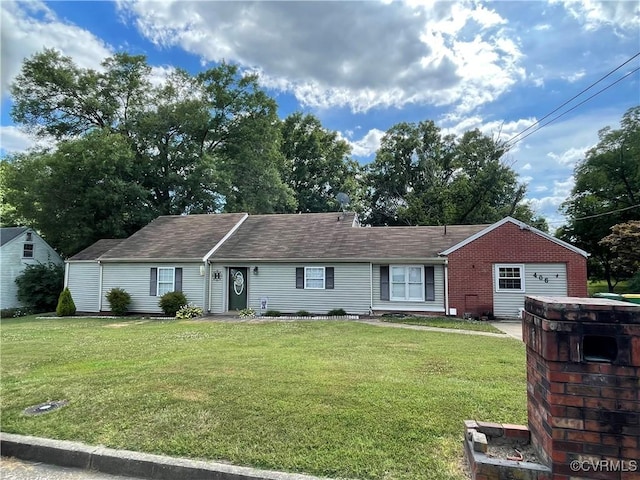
[367, 145]
[526, 167]
[594, 14]
[359, 55]
[15, 140]
[574, 77]
[29, 27]
[570, 156]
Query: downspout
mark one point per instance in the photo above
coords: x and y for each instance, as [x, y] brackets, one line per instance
[205, 282]
[100, 287]
[370, 288]
[446, 287]
[66, 274]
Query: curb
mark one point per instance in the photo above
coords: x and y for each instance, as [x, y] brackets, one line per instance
[128, 463]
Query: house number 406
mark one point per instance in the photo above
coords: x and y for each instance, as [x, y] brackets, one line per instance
[541, 278]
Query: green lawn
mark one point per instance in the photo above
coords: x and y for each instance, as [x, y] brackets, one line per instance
[340, 399]
[457, 324]
[598, 286]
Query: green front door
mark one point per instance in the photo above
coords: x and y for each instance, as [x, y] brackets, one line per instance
[237, 288]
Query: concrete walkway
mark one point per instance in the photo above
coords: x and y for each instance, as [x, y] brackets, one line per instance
[380, 323]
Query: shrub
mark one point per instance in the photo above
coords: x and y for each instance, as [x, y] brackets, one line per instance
[189, 311]
[15, 312]
[272, 313]
[66, 307]
[171, 302]
[337, 312]
[303, 313]
[119, 301]
[247, 313]
[39, 286]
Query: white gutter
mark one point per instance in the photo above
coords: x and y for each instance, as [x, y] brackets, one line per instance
[66, 274]
[225, 238]
[371, 287]
[100, 288]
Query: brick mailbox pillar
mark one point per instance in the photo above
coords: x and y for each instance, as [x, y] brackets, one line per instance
[583, 386]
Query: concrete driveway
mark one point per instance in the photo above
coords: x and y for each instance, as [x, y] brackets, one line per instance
[513, 328]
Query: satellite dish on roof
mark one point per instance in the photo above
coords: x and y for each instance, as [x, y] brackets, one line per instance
[343, 200]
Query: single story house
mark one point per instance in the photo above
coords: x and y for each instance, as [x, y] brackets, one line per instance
[320, 261]
[19, 247]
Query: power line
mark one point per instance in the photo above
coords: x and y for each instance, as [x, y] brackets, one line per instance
[570, 100]
[572, 108]
[602, 214]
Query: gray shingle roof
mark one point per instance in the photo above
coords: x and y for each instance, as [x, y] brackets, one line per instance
[99, 248]
[9, 233]
[175, 237]
[324, 237]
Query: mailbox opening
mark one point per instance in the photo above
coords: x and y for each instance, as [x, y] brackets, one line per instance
[599, 348]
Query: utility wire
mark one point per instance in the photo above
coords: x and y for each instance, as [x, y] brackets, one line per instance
[570, 100]
[571, 109]
[601, 214]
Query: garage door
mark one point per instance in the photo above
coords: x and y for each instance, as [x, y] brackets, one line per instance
[513, 281]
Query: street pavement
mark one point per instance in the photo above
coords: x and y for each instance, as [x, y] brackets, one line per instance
[15, 469]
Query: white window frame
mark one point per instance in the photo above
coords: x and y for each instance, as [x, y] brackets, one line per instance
[159, 293]
[324, 278]
[497, 277]
[33, 250]
[406, 297]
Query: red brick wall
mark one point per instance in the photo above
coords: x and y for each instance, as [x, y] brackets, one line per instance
[471, 267]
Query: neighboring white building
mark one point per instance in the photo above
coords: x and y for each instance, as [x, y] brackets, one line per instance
[19, 247]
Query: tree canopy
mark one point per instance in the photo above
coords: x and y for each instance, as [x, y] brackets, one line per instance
[130, 144]
[606, 193]
[420, 177]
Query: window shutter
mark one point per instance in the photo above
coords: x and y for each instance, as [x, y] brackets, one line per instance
[178, 280]
[429, 283]
[299, 277]
[384, 282]
[153, 283]
[328, 278]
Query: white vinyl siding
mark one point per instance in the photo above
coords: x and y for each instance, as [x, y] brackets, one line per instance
[314, 277]
[537, 279]
[436, 305]
[84, 284]
[13, 264]
[134, 278]
[277, 282]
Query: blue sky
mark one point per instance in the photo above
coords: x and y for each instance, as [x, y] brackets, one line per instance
[362, 67]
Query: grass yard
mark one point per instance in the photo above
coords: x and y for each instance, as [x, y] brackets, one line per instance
[338, 399]
[600, 286]
[457, 324]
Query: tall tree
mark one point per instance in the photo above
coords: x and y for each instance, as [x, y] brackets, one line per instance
[200, 143]
[83, 191]
[606, 193]
[317, 165]
[420, 177]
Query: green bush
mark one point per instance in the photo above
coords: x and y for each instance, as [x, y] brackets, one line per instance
[188, 311]
[272, 313]
[303, 313]
[15, 312]
[39, 286]
[171, 302]
[119, 301]
[337, 312]
[66, 307]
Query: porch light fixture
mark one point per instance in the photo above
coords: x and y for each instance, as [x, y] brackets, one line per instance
[255, 270]
[216, 275]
